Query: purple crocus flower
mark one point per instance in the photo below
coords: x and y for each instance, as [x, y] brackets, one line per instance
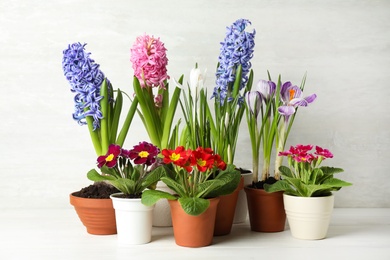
[85, 79]
[291, 96]
[267, 89]
[236, 49]
[253, 100]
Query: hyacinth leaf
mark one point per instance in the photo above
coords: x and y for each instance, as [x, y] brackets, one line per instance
[93, 175]
[151, 120]
[114, 122]
[126, 125]
[194, 206]
[151, 197]
[165, 101]
[104, 121]
[169, 118]
[94, 136]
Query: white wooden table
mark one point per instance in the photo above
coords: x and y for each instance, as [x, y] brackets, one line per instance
[59, 234]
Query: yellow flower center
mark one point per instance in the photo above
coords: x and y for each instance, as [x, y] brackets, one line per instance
[143, 154]
[292, 93]
[174, 157]
[201, 162]
[109, 157]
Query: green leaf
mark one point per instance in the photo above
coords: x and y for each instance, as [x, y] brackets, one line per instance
[169, 118]
[153, 177]
[93, 175]
[286, 171]
[116, 116]
[336, 183]
[104, 135]
[174, 185]
[126, 186]
[281, 185]
[224, 183]
[194, 206]
[126, 125]
[150, 197]
[330, 170]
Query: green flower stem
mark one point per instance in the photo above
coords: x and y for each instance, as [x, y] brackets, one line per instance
[104, 121]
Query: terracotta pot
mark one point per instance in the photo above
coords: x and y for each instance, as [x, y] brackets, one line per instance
[308, 217]
[97, 215]
[225, 211]
[193, 231]
[266, 210]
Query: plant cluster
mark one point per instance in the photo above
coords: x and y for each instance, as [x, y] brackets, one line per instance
[305, 177]
[130, 171]
[194, 176]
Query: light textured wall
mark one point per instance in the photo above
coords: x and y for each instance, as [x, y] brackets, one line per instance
[344, 46]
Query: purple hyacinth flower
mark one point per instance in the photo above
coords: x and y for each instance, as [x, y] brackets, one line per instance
[291, 96]
[85, 79]
[236, 49]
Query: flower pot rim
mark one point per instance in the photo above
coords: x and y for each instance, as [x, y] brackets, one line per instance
[114, 195]
[312, 198]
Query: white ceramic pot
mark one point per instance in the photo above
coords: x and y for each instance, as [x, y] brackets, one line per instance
[162, 212]
[133, 220]
[308, 217]
[241, 213]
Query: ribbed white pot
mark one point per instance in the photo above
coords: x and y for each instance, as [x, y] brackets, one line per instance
[308, 217]
[162, 212]
[133, 220]
[241, 212]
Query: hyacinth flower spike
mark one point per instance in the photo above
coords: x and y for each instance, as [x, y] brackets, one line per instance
[94, 99]
[234, 78]
[157, 108]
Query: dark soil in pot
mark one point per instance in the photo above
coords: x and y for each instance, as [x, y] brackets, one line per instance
[99, 190]
[260, 184]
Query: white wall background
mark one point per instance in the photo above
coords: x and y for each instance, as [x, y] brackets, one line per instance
[343, 45]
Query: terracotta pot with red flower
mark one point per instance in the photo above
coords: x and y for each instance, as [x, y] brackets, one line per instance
[193, 207]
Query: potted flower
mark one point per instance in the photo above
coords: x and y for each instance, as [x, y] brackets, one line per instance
[97, 107]
[270, 112]
[196, 133]
[133, 219]
[157, 106]
[194, 204]
[307, 187]
[234, 78]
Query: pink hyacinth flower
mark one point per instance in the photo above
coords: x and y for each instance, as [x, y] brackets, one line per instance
[149, 59]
